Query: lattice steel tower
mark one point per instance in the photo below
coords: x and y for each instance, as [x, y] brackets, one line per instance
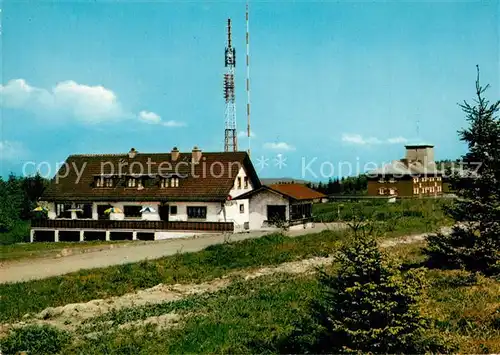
[230, 135]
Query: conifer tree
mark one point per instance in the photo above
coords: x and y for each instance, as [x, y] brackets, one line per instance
[366, 307]
[475, 241]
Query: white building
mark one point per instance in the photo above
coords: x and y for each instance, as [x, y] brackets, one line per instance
[289, 203]
[164, 195]
[147, 196]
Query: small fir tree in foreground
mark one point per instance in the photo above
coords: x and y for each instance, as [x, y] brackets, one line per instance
[474, 243]
[366, 307]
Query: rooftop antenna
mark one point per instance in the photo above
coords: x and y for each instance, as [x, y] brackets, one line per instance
[249, 133]
[230, 136]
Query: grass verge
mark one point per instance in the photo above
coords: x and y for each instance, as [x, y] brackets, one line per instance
[212, 262]
[254, 316]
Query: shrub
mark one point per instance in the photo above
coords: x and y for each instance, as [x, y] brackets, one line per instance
[464, 248]
[18, 233]
[35, 339]
[366, 307]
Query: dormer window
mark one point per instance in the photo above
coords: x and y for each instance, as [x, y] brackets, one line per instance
[132, 182]
[245, 180]
[172, 182]
[101, 181]
[239, 182]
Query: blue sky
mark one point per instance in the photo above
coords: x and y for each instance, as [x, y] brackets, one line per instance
[331, 81]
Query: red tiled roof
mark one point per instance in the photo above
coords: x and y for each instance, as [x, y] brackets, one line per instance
[196, 183]
[297, 191]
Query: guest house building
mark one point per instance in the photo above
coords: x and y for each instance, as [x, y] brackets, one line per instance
[158, 196]
[417, 175]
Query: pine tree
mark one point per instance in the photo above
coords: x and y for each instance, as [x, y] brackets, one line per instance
[366, 307]
[475, 241]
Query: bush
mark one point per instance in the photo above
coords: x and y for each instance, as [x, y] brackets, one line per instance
[35, 339]
[366, 307]
[19, 233]
[463, 248]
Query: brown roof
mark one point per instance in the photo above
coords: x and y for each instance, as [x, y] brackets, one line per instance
[209, 180]
[296, 192]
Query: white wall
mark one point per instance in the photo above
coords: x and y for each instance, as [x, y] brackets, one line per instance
[213, 210]
[150, 216]
[235, 191]
[51, 207]
[231, 213]
[258, 207]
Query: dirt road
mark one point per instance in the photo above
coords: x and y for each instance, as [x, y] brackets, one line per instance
[46, 267]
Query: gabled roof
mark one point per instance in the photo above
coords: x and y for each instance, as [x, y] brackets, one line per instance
[209, 180]
[297, 192]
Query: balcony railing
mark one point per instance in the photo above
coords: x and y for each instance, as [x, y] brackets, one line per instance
[133, 225]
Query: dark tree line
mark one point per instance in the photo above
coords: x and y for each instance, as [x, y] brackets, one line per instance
[356, 185]
[18, 196]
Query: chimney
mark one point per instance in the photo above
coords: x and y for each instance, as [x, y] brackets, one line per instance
[196, 155]
[174, 154]
[132, 153]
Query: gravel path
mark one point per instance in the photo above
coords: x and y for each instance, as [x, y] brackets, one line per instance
[24, 270]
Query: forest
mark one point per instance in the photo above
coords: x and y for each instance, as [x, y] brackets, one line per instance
[18, 196]
[352, 185]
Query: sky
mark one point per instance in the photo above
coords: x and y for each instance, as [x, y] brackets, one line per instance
[336, 87]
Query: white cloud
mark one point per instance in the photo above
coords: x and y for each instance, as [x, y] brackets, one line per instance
[360, 140]
[281, 146]
[243, 134]
[397, 140]
[10, 150]
[153, 118]
[89, 104]
[149, 117]
[173, 123]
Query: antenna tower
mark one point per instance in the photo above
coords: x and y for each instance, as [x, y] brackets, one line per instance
[248, 79]
[230, 136]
